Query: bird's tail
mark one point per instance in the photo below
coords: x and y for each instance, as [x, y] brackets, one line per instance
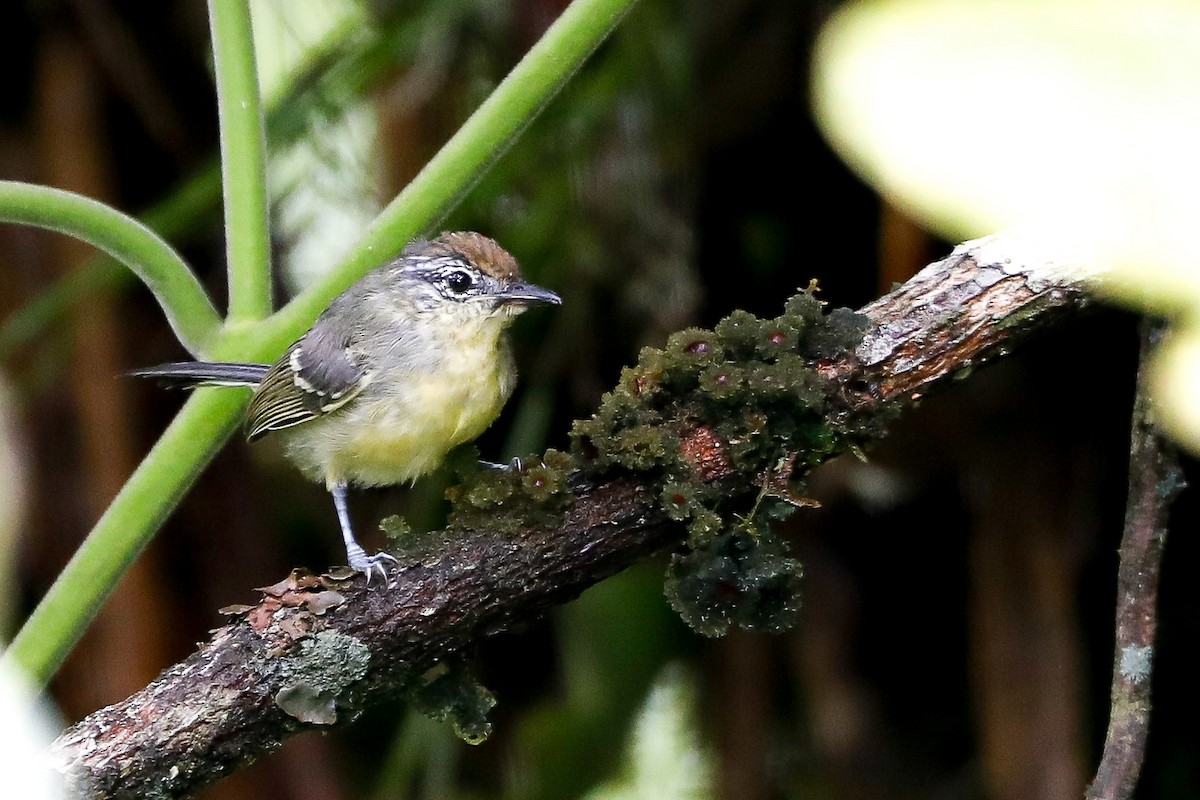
[187, 374]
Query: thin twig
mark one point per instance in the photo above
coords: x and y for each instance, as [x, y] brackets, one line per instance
[1154, 481]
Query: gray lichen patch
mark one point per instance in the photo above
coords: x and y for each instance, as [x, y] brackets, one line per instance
[1135, 662]
[308, 704]
[318, 672]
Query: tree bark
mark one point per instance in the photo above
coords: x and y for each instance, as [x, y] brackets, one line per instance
[325, 648]
[1155, 480]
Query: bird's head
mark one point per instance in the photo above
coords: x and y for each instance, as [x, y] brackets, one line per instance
[469, 276]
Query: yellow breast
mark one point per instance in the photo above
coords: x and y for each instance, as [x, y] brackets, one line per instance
[400, 429]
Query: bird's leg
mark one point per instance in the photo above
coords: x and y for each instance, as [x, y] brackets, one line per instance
[356, 556]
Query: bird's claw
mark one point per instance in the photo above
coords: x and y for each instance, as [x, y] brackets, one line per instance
[370, 565]
[512, 466]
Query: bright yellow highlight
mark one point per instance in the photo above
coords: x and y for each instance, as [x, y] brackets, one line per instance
[1080, 118]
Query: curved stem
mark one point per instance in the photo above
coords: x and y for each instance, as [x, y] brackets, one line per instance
[349, 66]
[185, 303]
[170, 218]
[243, 158]
[209, 416]
[149, 495]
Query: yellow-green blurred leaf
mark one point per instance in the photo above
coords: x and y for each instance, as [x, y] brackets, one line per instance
[1079, 119]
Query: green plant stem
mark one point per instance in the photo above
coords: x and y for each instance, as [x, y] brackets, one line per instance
[463, 160]
[348, 67]
[208, 418]
[168, 218]
[243, 161]
[187, 307]
[150, 494]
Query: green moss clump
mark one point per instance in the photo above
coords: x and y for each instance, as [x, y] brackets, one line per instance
[680, 500]
[641, 447]
[703, 528]
[751, 382]
[749, 376]
[397, 530]
[542, 482]
[451, 694]
[737, 579]
[479, 486]
[534, 490]
[796, 381]
[641, 382]
[803, 310]
[842, 330]
[696, 344]
[777, 338]
[489, 491]
[741, 333]
[740, 405]
[723, 383]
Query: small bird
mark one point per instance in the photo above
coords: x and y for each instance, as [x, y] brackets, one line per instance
[409, 362]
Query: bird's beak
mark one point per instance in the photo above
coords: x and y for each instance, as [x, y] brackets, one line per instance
[527, 294]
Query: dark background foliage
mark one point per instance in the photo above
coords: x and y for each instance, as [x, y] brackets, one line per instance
[956, 636]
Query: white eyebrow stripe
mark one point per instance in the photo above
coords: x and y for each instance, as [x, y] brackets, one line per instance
[434, 263]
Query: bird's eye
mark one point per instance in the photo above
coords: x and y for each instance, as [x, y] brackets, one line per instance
[460, 281]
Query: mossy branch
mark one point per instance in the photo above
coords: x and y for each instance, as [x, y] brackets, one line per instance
[566, 524]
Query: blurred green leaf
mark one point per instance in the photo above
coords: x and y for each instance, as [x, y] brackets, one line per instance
[1076, 120]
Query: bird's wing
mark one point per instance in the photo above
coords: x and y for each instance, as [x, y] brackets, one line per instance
[317, 375]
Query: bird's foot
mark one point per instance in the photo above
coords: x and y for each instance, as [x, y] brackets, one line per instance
[512, 466]
[370, 565]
